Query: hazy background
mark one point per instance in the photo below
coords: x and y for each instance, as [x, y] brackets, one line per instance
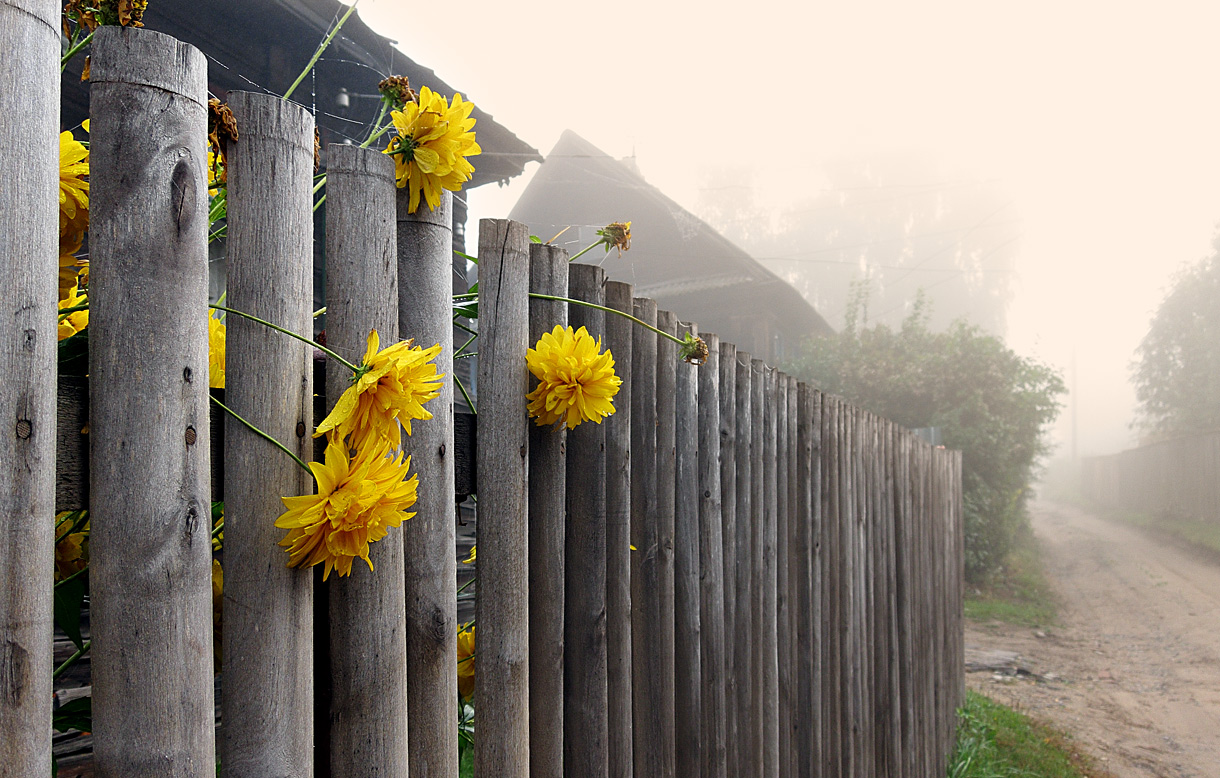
[1084, 136]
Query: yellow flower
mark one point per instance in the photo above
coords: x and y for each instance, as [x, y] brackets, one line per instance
[218, 539]
[76, 321]
[356, 504]
[576, 380]
[216, 353]
[465, 657]
[125, 13]
[392, 384]
[73, 193]
[430, 150]
[71, 551]
[470, 559]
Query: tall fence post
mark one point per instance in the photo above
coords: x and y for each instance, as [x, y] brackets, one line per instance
[584, 709]
[150, 495]
[832, 580]
[783, 622]
[368, 618]
[767, 692]
[727, 381]
[748, 759]
[804, 593]
[712, 677]
[29, 157]
[547, 520]
[618, 535]
[665, 474]
[502, 666]
[425, 313]
[687, 626]
[791, 564]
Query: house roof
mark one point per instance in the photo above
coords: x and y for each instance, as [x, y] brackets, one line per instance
[675, 257]
[264, 44]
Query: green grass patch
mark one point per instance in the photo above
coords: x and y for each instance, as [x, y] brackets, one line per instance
[997, 742]
[1018, 593]
[1201, 535]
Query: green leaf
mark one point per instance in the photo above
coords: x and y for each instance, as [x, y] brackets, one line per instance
[69, 596]
[468, 311]
[77, 714]
[74, 355]
[466, 257]
[535, 239]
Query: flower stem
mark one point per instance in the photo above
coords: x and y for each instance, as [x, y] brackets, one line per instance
[615, 311]
[470, 340]
[263, 435]
[462, 388]
[377, 130]
[321, 48]
[290, 333]
[584, 251]
[71, 660]
[72, 52]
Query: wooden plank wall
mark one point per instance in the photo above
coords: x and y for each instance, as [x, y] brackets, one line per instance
[1178, 477]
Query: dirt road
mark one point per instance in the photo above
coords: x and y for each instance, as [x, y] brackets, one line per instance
[1133, 669]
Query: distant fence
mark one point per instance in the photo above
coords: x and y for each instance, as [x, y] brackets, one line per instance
[734, 575]
[1178, 477]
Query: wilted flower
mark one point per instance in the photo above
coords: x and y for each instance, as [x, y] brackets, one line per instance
[575, 378]
[465, 667]
[222, 128]
[616, 235]
[397, 91]
[434, 139]
[125, 13]
[694, 349]
[71, 548]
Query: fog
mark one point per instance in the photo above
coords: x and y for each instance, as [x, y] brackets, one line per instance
[1095, 121]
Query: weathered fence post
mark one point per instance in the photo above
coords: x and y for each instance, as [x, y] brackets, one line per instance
[748, 759]
[783, 625]
[727, 381]
[425, 313]
[150, 495]
[765, 476]
[29, 157]
[802, 578]
[665, 474]
[547, 520]
[584, 707]
[502, 666]
[832, 580]
[791, 566]
[687, 627]
[368, 619]
[712, 610]
[268, 626]
[618, 535]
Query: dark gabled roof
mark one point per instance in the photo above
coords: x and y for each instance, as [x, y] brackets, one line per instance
[675, 257]
[265, 44]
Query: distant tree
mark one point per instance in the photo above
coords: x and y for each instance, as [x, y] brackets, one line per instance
[1177, 367]
[990, 403]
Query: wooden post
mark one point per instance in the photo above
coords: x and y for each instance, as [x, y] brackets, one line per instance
[368, 649]
[502, 674]
[150, 496]
[666, 475]
[425, 313]
[767, 694]
[687, 626]
[832, 681]
[619, 333]
[749, 762]
[727, 381]
[29, 157]
[802, 554]
[547, 511]
[796, 598]
[711, 565]
[585, 726]
[783, 616]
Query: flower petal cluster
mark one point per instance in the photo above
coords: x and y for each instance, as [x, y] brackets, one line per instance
[73, 205]
[434, 139]
[576, 380]
[71, 548]
[216, 353]
[392, 384]
[358, 501]
[76, 321]
[465, 662]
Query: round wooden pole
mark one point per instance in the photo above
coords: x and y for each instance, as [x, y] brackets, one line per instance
[666, 475]
[619, 333]
[727, 380]
[502, 608]
[547, 521]
[425, 313]
[767, 692]
[803, 593]
[29, 157]
[368, 649]
[687, 685]
[584, 710]
[783, 626]
[150, 496]
[711, 566]
[749, 762]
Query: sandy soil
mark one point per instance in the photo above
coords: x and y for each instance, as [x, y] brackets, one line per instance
[1133, 669]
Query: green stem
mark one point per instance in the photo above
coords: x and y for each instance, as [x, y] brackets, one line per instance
[72, 52]
[464, 328]
[462, 388]
[77, 574]
[615, 311]
[463, 587]
[467, 355]
[377, 130]
[584, 251]
[290, 333]
[458, 353]
[71, 660]
[263, 435]
[321, 48]
[466, 295]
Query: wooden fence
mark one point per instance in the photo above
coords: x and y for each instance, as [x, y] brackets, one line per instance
[1178, 477]
[733, 575]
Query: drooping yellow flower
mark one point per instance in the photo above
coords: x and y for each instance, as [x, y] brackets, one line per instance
[465, 657]
[73, 193]
[70, 270]
[430, 150]
[393, 384]
[216, 353]
[71, 548]
[576, 380]
[470, 559]
[76, 321]
[358, 501]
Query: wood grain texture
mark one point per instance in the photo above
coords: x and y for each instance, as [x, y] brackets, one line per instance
[711, 569]
[749, 761]
[547, 522]
[502, 678]
[687, 685]
[666, 476]
[368, 618]
[425, 299]
[149, 506]
[803, 593]
[767, 691]
[619, 334]
[29, 157]
[584, 701]
[727, 380]
[783, 625]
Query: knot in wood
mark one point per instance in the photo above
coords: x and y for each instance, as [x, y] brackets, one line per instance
[300, 429]
[190, 436]
[25, 428]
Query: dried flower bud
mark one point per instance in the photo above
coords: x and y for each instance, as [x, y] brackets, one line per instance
[397, 89]
[222, 128]
[694, 350]
[616, 235]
